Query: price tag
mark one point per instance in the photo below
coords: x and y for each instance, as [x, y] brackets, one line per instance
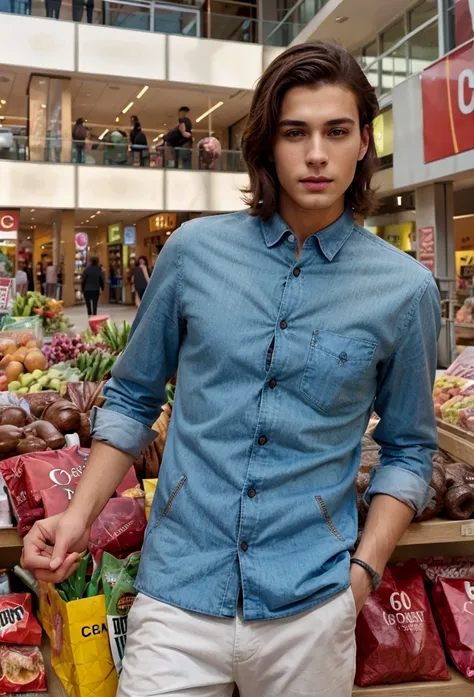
[467, 530]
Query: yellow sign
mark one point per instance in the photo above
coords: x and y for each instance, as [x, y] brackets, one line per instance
[115, 233]
[162, 222]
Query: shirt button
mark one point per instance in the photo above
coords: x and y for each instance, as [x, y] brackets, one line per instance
[244, 546]
[251, 493]
[291, 238]
[262, 440]
[283, 324]
[296, 271]
[272, 384]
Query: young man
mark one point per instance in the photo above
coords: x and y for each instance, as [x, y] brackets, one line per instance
[286, 324]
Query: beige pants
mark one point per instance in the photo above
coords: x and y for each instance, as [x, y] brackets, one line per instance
[184, 654]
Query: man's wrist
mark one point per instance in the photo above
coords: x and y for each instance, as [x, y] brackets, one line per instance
[374, 578]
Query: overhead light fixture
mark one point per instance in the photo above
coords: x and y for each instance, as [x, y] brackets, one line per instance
[2, 118]
[461, 217]
[341, 19]
[32, 210]
[142, 92]
[117, 119]
[209, 111]
[29, 238]
[168, 234]
[92, 216]
[98, 213]
[399, 200]
[3, 101]
[158, 137]
[43, 106]
[103, 134]
[127, 108]
[32, 218]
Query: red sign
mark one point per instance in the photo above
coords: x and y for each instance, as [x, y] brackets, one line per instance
[426, 242]
[447, 89]
[9, 221]
[464, 20]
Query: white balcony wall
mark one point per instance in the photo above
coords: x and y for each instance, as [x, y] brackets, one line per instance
[121, 52]
[204, 191]
[37, 185]
[127, 188]
[37, 43]
[109, 52]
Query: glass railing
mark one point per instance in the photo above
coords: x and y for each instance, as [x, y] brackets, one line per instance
[409, 56]
[57, 150]
[145, 15]
[295, 20]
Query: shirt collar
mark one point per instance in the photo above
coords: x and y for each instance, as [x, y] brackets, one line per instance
[331, 239]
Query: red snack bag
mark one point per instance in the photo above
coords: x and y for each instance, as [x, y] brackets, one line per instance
[120, 527]
[55, 500]
[397, 638]
[13, 473]
[453, 602]
[130, 481]
[53, 469]
[18, 625]
[21, 670]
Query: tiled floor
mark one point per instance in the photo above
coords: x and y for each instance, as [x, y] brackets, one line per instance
[117, 313]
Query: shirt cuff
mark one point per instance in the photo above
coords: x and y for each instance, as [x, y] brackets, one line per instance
[121, 431]
[401, 484]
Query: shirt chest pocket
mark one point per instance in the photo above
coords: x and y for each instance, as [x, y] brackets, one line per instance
[339, 371]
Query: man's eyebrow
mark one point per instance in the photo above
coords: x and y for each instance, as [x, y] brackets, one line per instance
[344, 120]
[292, 122]
[340, 122]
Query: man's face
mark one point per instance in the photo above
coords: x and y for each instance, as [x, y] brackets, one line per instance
[318, 144]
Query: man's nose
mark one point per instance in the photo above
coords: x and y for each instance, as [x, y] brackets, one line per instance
[317, 150]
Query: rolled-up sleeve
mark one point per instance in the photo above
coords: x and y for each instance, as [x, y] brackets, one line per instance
[136, 391]
[407, 432]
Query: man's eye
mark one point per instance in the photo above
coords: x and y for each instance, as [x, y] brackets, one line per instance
[337, 132]
[294, 134]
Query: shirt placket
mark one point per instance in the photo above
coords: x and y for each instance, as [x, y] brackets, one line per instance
[253, 492]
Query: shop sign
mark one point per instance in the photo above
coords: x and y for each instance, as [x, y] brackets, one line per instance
[426, 241]
[115, 233]
[82, 241]
[9, 224]
[162, 222]
[447, 89]
[6, 286]
[130, 236]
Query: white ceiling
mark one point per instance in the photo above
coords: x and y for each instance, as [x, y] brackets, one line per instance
[365, 19]
[29, 218]
[100, 102]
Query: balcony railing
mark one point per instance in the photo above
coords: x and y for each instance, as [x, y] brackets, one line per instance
[145, 15]
[60, 151]
[409, 56]
[294, 22]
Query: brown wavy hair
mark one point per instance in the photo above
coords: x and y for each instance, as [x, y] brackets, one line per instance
[305, 64]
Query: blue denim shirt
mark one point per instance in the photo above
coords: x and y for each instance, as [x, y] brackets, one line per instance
[280, 362]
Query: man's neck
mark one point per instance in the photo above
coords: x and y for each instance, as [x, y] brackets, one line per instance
[305, 223]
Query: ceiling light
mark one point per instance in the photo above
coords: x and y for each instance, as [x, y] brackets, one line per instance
[103, 134]
[2, 118]
[98, 213]
[117, 119]
[209, 111]
[29, 238]
[92, 216]
[142, 92]
[158, 137]
[43, 106]
[341, 19]
[460, 217]
[168, 234]
[32, 210]
[399, 200]
[3, 101]
[32, 218]
[127, 108]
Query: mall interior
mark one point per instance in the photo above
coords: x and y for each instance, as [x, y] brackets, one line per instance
[70, 199]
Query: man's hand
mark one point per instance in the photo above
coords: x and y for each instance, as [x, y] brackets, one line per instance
[361, 585]
[53, 547]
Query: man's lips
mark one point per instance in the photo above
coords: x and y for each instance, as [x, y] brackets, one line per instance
[316, 183]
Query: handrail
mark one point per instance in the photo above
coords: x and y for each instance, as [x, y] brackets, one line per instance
[401, 42]
[288, 14]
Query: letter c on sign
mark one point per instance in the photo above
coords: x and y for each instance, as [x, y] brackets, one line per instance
[466, 80]
[7, 222]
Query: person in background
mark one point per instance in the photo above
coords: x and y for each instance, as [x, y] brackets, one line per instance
[51, 280]
[138, 144]
[92, 285]
[179, 140]
[209, 150]
[29, 273]
[141, 279]
[53, 8]
[79, 136]
[21, 279]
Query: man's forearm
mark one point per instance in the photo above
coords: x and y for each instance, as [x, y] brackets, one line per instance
[386, 522]
[106, 467]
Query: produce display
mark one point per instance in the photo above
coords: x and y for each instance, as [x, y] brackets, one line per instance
[95, 366]
[50, 311]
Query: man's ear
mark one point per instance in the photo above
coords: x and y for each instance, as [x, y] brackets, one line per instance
[364, 142]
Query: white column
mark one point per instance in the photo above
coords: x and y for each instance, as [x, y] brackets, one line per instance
[435, 208]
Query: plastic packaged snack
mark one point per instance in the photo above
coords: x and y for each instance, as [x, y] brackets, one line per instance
[453, 603]
[18, 625]
[21, 670]
[397, 638]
